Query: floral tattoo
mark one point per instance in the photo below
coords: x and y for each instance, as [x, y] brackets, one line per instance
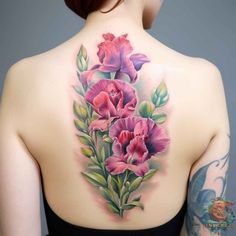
[119, 135]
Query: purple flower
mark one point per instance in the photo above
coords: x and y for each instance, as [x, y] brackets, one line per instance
[114, 57]
[136, 140]
[110, 99]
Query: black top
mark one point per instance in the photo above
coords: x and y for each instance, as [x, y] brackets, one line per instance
[59, 227]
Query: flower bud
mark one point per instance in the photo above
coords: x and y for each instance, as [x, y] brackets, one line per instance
[88, 152]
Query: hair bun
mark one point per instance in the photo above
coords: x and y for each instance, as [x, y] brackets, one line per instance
[83, 7]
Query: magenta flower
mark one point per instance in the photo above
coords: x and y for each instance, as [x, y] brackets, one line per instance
[110, 99]
[136, 140]
[114, 57]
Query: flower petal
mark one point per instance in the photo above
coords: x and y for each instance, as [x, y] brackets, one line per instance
[136, 151]
[128, 67]
[123, 44]
[138, 60]
[108, 36]
[115, 165]
[127, 123]
[141, 128]
[117, 147]
[100, 124]
[139, 170]
[112, 98]
[103, 105]
[128, 109]
[109, 56]
[158, 139]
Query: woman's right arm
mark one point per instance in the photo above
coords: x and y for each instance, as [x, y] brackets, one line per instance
[208, 175]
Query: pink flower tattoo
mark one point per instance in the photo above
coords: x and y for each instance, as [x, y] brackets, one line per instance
[136, 140]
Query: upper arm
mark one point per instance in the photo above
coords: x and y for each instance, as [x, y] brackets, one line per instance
[19, 172]
[208, 175]
[207, 181]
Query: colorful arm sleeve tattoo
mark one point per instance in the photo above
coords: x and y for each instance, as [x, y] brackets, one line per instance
[208, 211]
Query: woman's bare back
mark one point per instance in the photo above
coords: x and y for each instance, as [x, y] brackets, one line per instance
[46, 125]
[121, 127]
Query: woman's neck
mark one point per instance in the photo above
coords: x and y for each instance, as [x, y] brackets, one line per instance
[125, 17]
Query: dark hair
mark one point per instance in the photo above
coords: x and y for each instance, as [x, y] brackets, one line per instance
[84, 7]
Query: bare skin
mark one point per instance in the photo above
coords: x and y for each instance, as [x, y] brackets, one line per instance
[37, 130]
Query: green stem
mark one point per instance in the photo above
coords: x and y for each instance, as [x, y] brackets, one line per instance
[113, 75]
[126, 176]
[89, 110]
[108, 147]
[94, 137]
[104, 170]
[122, 193]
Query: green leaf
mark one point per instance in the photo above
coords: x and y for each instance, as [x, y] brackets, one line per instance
[82, 59]
[99, 133]
[80, 111]
[107, 139]
[137, 198]
[96, 168]
[112, 183]
[94, 117]
[159, 118]
[78, 90]
[109, 181]
[113, 208]
[88, 152]
[160, 95]
[113, 188]
[85, 139]
[120, 182]
[102, 153]
[128, 206]
[80, 125]
[146, 109]
[135, 184]
[131, 205]
[83, 52]
[149, 174]
[123, 191]
[106, 193]
[94, 160]
[125, 198]
[95, 178]
[84, 64]
[78, 75]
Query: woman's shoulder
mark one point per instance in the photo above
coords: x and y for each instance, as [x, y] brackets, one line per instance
[61, 59]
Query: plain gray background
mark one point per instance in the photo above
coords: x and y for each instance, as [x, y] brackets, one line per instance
[202, 28]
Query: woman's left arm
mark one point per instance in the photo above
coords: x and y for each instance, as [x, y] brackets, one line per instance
[19, 172]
